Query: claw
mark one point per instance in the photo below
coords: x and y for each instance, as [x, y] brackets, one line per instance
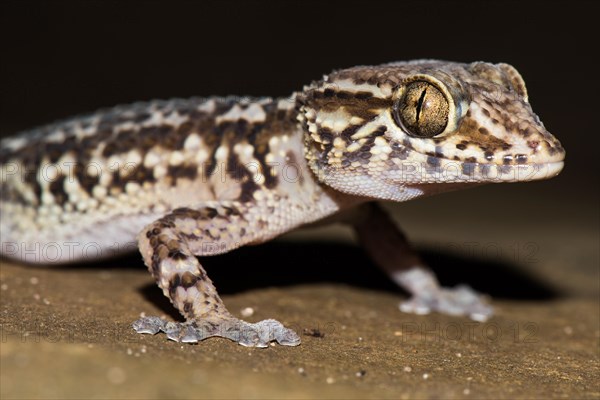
[246, 334]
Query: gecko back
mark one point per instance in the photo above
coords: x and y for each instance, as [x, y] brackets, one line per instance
[85, 187]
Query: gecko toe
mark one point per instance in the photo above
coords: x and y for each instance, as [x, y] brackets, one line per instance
[271, 330]
[259, 334]
[150, 325]
[458, 301]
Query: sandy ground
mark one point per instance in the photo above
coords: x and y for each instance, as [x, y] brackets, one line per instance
[66, 331]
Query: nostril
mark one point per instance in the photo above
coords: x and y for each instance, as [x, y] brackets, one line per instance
[554, 148]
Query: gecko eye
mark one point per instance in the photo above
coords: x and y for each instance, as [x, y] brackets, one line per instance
[422, 109]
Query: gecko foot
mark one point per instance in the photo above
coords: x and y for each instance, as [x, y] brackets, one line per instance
[429, 296]
[259, 334]
[461, 300]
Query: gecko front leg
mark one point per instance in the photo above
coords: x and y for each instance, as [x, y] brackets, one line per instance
[389, 248]
[169, 247]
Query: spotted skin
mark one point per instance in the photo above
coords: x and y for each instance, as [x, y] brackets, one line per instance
[496, 135]
[198, 177]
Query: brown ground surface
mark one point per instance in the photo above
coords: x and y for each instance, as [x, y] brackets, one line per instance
[66, 331]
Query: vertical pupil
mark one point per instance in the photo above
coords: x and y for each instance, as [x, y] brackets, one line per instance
[422, 110]
[420, 105]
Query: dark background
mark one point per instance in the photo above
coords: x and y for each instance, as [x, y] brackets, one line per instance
[63, 58]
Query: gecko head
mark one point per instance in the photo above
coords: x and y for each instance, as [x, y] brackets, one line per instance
[388, 131]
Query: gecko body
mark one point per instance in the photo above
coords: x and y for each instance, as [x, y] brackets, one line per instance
[183, 179]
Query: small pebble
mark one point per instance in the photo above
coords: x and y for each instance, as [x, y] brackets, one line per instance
[407, 369]
[330, 380]
[425, 376]
[467, 391]
[361, 373]
[34, 280]
[568, 330]
[4, 286]
[247, 312]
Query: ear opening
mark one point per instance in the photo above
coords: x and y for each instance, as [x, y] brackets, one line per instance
[515, 79]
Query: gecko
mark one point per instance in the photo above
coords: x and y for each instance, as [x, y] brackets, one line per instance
[185, 179]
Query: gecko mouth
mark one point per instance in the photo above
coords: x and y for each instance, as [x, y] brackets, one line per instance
[525, 172]
[482, 172]
[451, 171]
